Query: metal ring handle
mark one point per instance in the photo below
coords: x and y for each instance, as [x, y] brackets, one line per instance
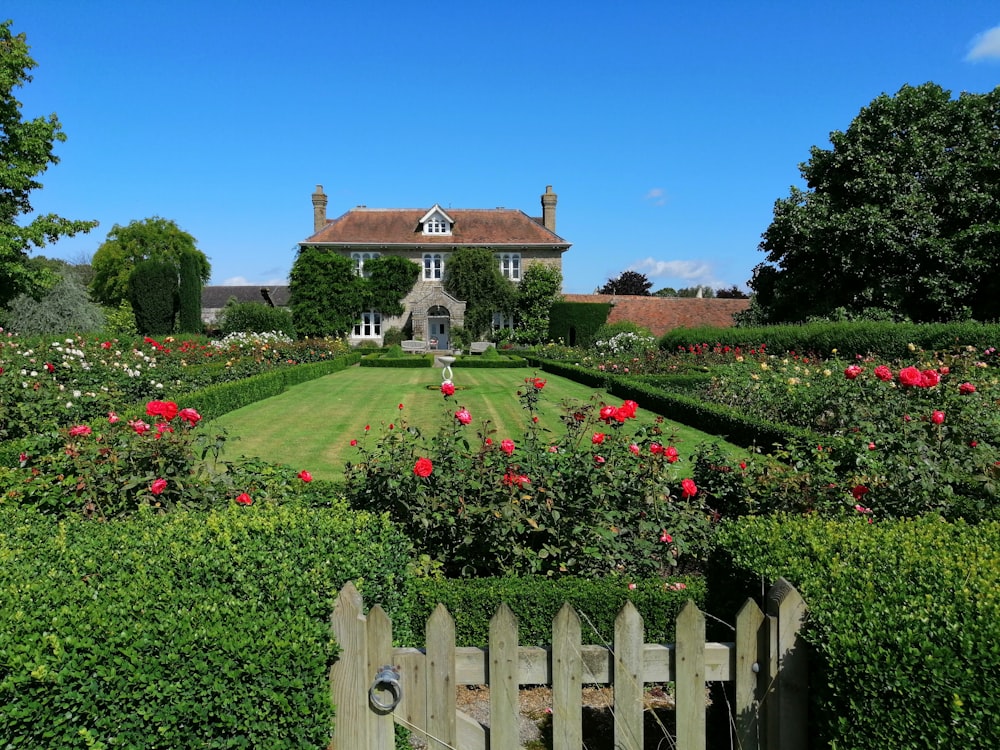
[389, 677]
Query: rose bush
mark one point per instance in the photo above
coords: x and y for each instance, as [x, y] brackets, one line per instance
[556, 500]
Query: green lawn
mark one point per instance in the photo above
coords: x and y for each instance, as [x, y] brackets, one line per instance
[311, 425]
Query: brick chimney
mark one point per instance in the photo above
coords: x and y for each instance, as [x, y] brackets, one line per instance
[549, 209]
[319, 209]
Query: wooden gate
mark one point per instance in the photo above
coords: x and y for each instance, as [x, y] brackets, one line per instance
[766, 662]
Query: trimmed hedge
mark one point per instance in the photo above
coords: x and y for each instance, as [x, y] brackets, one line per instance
[184, 630]
[498, 362]
[904, 623]
[575, 323]
[536, 600]
[890, 340]
[409, 361]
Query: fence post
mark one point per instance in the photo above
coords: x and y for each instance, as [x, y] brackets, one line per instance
[379, 654]
[787, 699]
[567, 679]
[689, 658]
[350, 675]
[504, 696]
[440, 674]
[628, 678]
[751, 670]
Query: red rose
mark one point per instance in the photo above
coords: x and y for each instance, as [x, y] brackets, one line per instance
[244, 499]
[966, 388]
[860, 491]
[634, 448]
[598, 438]
[106, 345]
[598, 459]
[448, 388]
[688, 488]
[512, 479]
[883, 373]
[139, 426]
[656, 448]
[910, 376]
[507, 446]
[353, 443]
[463, 416]
[423, 467]
[929, 378]
[852, 371]
[608, 413]
[671, 453]
[190, 416]
[628, 409]
[50, 367]
[937, 417]
[305, 476]
[158, 486]
[666, 538]
[538, 383]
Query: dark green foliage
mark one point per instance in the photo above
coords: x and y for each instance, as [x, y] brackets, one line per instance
[152, 289]
[255, 317]
[472, 274]
[65, 308]
[890, 340]
[627, 282]
[390, 278]
[536, 600]
[405, 361]
[903, 627]
[901, 216]
[575, 323]
[154, 238]
[489, 360]
[393, 337]
[185, 630]
[537, 291]
[26, 151]
[189, 315]
[327, 296]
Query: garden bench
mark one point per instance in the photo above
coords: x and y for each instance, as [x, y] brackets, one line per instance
[478, 347]
[414, 345]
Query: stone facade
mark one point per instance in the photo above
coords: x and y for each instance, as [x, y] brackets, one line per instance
[426, 237]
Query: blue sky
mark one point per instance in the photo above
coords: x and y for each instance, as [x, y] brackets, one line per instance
[667, 129]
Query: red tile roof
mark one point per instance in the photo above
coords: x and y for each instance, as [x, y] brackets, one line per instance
[401, 226]
[662, 314]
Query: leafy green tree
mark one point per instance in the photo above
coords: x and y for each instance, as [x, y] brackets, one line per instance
[326, 295]
[732, 292]
[189, 314]
[700, 290]
[473, 274]
[26, 151]
[256, 317]
[901, 217]
[390, 278]
[538, 289]
[154, 238]
[667, 291]
[65, 308]
[627, 282]
[153, 289]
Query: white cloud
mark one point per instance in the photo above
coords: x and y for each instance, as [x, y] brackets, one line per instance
[695, 271]
[985, 46]
[243, 281]
[656, 196]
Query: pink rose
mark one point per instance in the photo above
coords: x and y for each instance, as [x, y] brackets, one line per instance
[79, 430]
[671, 454]
[937, 417]
[634, 448]
[507, 446]
[598, 438]
[852, 371]
[929, 378]
[305, 476]
[448, 388]
[190, 416]
[666, 538]
[158, 486]
[883, 373]
[463, 416]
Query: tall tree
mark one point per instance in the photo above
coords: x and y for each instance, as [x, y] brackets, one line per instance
[154, 238]
[152, 290]
[538, 289]
[901, 217]
[26, 151]
[628, 282]
[189, 294]
[473, 274]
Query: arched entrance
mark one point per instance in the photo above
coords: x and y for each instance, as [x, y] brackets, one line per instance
[438, 327]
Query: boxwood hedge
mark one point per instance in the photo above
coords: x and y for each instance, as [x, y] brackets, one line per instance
[185, 630]
[904, 623]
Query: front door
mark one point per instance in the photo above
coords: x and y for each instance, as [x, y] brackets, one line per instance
[438, 331]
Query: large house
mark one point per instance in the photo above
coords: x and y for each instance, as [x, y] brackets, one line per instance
[427, 236]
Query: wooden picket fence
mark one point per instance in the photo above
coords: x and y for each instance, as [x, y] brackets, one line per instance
[766, 662]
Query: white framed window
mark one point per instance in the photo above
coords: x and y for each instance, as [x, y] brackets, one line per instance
[359, 262]
[433, 266]
[437, 225]
[501, 321]
[510, 266]
[370, 326]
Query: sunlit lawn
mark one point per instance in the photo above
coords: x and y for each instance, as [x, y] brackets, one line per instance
[311, 425]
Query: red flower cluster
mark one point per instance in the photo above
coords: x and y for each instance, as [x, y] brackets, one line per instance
[914, 378]
[618, 414]
[515, 480]
[966, 388]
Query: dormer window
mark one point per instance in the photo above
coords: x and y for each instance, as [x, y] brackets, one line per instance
[436, 222]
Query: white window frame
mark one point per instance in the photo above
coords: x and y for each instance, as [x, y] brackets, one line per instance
[359, 259]
[433, 266]
[510, 266]
[370, 325]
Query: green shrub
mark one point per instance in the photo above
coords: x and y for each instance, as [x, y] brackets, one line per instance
[393, 336]
[536, 600]
[904, 623]
[152, 290]
[182, 631]
[575, 323]
[405, 361]
[255, 317]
